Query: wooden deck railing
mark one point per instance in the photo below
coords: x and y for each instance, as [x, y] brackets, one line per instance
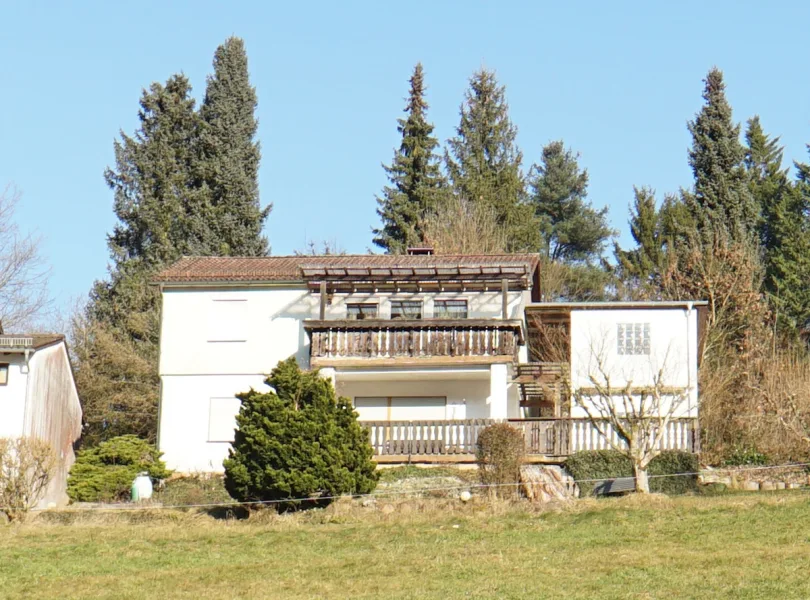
[423, 338]
[545, 437]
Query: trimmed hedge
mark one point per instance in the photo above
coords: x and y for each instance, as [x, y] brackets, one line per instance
[607, 464]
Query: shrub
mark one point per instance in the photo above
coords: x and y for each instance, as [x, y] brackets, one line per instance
[194, 490]
[298, 441]
[26, 468]
[500, 452]
[608, 464]
[105, 472]
[745, 457]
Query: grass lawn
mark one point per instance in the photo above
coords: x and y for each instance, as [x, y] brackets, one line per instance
[743, 546]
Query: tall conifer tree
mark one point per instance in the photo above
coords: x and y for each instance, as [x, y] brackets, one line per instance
[229, 165]
[416, 181]
[484, 162]
[721, 200]
[571, 230]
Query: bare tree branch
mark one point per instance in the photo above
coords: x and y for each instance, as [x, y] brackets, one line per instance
[23, 272]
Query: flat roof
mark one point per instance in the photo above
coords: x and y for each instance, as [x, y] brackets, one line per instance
[608, 305]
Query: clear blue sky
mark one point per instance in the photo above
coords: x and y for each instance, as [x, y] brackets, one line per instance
[617, 81]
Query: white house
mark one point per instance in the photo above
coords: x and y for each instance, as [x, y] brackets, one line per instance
[38, 399]
[428, 348]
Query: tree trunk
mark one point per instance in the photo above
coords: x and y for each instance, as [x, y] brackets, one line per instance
[642, 482]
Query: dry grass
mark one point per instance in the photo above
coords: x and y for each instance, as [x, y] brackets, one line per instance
[743, 546]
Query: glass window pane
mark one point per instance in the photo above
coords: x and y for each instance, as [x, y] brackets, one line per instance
[450, 309]
[406, 309]
[361, 311]
[3, 374]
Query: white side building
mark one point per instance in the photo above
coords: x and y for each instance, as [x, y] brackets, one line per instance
[38, 399]
[428, 348]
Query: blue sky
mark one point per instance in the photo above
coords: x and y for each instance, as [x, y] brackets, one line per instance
[617, 81]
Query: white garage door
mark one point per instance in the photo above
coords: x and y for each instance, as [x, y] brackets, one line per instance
[401, 408]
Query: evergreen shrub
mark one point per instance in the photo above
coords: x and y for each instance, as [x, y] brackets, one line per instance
[105, 472]
[298, 441]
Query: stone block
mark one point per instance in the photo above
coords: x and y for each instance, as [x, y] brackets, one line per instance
[750, 486]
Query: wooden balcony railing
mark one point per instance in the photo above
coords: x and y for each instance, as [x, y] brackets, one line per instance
[544, 437]
[460, 339]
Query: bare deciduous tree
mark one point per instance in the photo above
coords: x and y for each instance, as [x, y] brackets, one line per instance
[23, 273]
[632, 418]
[26, 468]
[463, 227]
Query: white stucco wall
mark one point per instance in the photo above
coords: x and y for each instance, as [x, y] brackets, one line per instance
[673, 350]
[185, 419]
[12, 397]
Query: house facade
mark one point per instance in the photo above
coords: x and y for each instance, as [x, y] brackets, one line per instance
[428, 348]
[38, 398]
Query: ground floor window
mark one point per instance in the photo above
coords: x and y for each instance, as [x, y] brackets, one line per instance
[401, 408]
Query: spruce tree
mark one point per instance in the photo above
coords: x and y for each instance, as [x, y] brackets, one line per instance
[230, 155]
[644, 263]
[416, 181]
[484, 163]
[571, 230]
[721, 200]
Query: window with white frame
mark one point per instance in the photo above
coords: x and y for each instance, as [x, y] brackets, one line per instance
[633, 338]
[406, 309]
[450, 309]
[3, 373]
[361, 311]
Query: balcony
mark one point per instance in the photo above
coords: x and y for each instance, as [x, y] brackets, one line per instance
[402, 342]
[549, 439]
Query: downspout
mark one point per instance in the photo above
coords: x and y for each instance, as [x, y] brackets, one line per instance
[689, 308]
[160, 377]
[27, 355]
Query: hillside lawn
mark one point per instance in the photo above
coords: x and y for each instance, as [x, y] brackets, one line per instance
[736, 546]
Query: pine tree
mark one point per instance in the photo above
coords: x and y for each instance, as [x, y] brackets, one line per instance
[229, 165]
[644, 263]
[484, 162]
[416, 181]
[571, 230]
[722, 200]
[787, 262]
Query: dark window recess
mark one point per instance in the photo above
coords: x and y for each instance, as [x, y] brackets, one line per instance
[3, 373]
[406, 309]
[450, 309]
[358, 312]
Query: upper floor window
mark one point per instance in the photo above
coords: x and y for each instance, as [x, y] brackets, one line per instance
[450, 309]
[633, 338]
[361, 311]
[3, 373]
[406, 309]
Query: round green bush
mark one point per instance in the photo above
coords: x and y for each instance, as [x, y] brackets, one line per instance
[500, 451]
[298, 441]
[105, 472]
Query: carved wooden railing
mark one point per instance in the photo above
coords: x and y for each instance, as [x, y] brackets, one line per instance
[425, 338]
[546, 437]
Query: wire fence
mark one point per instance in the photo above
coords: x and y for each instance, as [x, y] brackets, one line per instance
[400, 492]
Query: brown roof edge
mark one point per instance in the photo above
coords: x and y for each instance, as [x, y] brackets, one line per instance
[202, 269]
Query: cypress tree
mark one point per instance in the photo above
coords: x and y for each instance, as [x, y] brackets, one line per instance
[571, 230]
[722, 200]
[416, 181]
[484, 162]
[229, 164]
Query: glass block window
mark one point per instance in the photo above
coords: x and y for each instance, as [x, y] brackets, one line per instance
[406, 309]
[361, 311]
[450, 309]
[633, 338]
